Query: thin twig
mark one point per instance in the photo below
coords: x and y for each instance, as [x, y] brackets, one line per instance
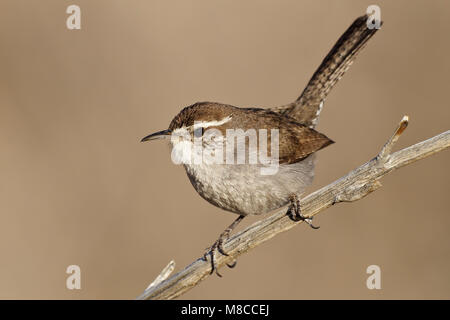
[354, 186]
[390, 144]
[165, 273]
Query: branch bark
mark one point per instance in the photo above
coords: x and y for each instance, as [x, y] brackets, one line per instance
[353, 186]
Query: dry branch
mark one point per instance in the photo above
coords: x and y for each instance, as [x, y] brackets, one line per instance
[354, 186]
[165, 273]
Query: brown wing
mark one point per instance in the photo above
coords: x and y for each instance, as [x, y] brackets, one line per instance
[307, 107]
[295, 141]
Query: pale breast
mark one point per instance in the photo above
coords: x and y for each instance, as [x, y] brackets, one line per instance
[240, 188]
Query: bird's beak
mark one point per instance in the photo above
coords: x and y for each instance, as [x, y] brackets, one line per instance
[157, 135]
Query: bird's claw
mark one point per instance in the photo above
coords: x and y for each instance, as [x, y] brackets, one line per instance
[295, 214]
[218, 245]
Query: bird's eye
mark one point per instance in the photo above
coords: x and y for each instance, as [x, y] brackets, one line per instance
[199, 132]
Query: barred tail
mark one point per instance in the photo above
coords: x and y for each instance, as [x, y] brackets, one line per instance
[307, 107]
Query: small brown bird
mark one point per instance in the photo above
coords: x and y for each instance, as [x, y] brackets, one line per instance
[281, 142]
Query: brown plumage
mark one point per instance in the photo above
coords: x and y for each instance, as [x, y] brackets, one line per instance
[307, 107]
[296, 141]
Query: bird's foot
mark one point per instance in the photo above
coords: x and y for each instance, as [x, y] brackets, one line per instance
[218, 245]
[294, 212]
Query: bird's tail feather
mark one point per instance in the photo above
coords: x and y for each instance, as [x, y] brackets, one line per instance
[307, 107]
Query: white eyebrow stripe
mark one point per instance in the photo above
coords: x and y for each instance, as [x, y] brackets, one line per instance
[206, 124]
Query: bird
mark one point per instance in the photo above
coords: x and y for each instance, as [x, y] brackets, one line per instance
[277, 164]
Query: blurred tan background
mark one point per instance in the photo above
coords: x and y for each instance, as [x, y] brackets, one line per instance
[77, 187]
